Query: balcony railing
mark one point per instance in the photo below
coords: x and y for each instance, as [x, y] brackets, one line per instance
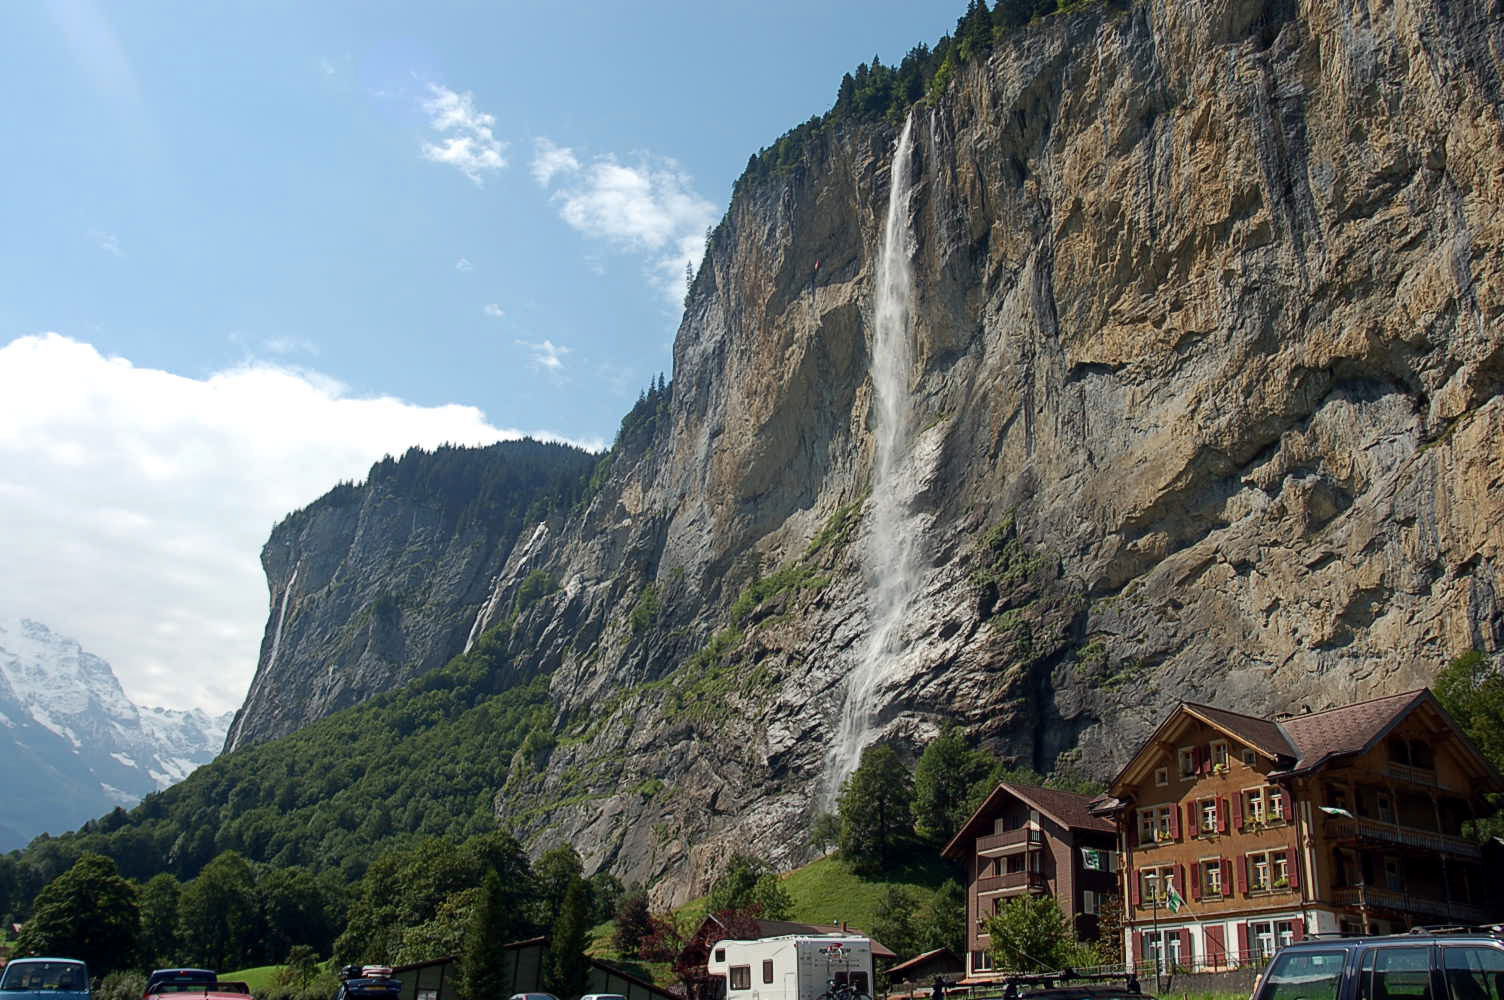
[1013, 881]
[1415, 775]
[1388, 899]
[1388, 833]
[1024, 836]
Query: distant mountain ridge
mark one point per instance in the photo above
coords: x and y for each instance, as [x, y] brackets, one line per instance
[73, 745]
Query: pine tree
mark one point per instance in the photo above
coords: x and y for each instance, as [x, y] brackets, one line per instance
[874, 807]
[492, 927]
[566, 964]
[943, 780]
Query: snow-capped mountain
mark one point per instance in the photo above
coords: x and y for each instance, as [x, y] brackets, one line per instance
[73, 745]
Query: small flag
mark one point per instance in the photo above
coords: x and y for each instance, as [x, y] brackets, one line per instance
[1173, 898]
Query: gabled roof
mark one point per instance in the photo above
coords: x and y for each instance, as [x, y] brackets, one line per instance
[1066, 808]
[1262, 734]
[919, 960]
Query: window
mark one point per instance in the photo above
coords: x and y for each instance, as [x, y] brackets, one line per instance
[1154, 884]
[1187, 763]
[1474, 973]
[1310, 975]
[1275, 801]
[1400, 974]
[1261, 938]
[1208, 815]
[1154, 824]
[1219, 754]
[1280, 868]
[981, 961]
[1211, 877]
[720, 954]
[1253, 806]
[1161, 776]
[1258, 872]
[1394, 879]
[741, 977]
[1249, 757]
[767, 970]
[1089, 902]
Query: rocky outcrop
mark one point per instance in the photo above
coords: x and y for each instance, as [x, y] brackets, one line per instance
[1208, 372]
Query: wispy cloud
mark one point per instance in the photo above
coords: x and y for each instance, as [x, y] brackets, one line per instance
[106, 242]
[93, 447]
[493, 310]
[467, 141]
[648, 206]
[326, 66]
[463, 264]
[290, 345]
[546, 355]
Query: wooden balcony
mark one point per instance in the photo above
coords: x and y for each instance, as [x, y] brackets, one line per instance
[1402, 836]
[1009, 841]
[1387, 899]
[1414, 775]
[1012, 882]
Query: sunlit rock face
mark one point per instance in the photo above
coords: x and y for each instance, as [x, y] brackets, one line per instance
[1207, 358]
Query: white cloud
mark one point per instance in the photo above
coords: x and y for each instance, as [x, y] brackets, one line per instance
[493, 310]
[467, 141]
[463, 264]
[106, 242]
[135, 501]
[648, 206]
[550, 159]
[546, 355]
[290, 345]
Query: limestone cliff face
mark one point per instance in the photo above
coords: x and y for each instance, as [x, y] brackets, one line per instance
[1208, 370]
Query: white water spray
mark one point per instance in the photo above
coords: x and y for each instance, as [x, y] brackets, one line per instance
[892, 553]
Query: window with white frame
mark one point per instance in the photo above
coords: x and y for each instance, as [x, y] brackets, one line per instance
[1258, 872]
[1219, 753]
[1211, 876]
[1161, 776]
[1279, 865]
[981, 961]
[1249, 757]
[1154, 824]
[1187, 758]
[1208, 815]
[1253, 805]
[1275, 804]
[1154, 884]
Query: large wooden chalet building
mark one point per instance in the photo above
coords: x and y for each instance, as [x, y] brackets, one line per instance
[1024, 839]
[1239, 834]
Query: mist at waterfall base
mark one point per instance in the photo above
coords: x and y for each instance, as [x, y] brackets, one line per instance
[892, 552]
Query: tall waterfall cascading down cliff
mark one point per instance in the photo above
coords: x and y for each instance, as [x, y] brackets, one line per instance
[891, 558]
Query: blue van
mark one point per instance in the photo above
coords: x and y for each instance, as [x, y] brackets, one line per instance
[45, 979]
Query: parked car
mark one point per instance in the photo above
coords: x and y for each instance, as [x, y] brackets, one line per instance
[1444, 964]
[180, 981]
[533, 996]
[603, 996]
[45, 979]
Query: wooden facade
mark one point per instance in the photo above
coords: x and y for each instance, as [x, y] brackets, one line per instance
[1026, 840]
[1240, 834]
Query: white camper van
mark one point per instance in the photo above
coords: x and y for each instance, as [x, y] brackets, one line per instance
[793, 967]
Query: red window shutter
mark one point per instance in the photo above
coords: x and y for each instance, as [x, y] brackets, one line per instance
[1243, 874]
[1133, 882]
[1185, 947]
[1192, 825]
[1206, 759]
[1196, 881]
[1226, 876]
[1242, 941]
[1237, 811]
[1292, 865]
[1289, 804]
[1222, 815]
[1180, 878]
[1298, 928]
[1174, 822]
[1138, 947]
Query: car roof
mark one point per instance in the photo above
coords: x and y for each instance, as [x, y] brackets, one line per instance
[1397, 940]
[45, 958]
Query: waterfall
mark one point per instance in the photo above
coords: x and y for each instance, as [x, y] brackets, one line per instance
[891, 556]
[271, 660]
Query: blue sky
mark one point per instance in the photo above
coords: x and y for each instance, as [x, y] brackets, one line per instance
[250, 247]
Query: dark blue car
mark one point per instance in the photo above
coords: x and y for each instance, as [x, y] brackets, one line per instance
[45, 979]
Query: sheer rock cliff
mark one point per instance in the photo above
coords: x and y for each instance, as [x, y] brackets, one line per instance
[1208, 374]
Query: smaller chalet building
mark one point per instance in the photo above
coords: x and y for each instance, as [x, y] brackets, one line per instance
[1241, 834]
[1037, 841]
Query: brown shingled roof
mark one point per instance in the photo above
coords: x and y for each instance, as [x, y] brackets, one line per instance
[1346, 730]
[1067, 808]
[1261, 734]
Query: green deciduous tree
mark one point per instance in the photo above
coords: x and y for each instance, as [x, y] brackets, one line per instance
[896, 922]
[555, 871]
[159, 921]
[874, 807]
[88, 912]
[1471, 689]
[942, 921]
[1030, 934]
[219, 921]
[749, 884]
[634, 923]
[944, 778]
